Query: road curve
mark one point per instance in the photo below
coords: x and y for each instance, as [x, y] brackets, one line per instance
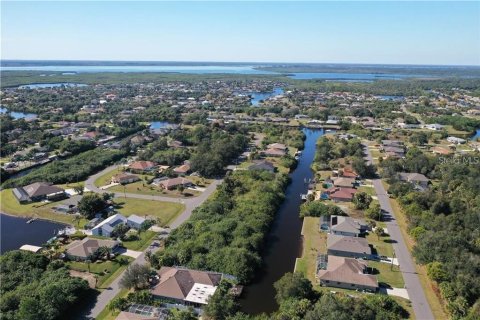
[108, 294]
[420, 305]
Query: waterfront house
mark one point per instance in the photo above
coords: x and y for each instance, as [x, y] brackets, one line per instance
[272, 152]
[347, 273]
[341, 194]
[344, 182]
[347, 226]
[186, 286]
[456, 140]
[106, 227]
[38, 191]
[350, 247]
[87, 248]
[262, 165]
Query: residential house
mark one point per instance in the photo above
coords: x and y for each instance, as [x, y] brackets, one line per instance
[186, 286]
[347, 273]
[279, 146]
[38, 191]
[106, 227]
[347, 226]
[434, 126]
[183, 169]
[262, 165]
[344, 182]
[416, 179]
[135, 222]
[124, 178]
[174, 183]
[274, 152]
[350, 247]
[341, 194]
[142, 166]
[87, 248]
[441, 150]
[456, 140]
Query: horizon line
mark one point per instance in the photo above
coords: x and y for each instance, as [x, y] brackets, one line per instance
[245, 62]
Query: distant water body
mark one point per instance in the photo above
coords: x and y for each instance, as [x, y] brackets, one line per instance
[16, 232]
[169, 69]
[18, 115]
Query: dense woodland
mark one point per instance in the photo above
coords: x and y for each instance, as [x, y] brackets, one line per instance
[73, 169]
[227, 232]
[444, 222]
[34, 288]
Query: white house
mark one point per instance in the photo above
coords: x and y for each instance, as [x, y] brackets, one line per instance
[105, 227]
[135, 221]
[456, 140]
[434, 126]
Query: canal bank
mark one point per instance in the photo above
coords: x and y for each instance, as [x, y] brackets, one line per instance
[284, 242]
[15, 232]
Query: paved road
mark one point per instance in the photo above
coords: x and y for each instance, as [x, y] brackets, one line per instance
[420, 305]
[108, 294]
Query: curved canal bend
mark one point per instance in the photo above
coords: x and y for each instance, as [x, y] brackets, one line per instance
[284, 243]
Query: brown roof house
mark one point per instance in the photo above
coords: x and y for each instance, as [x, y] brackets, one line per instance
[183, 169]
[341, 194]
[346, 226]
[38, 191]
[87, 248]
[347, 273]
[124, 178]
[272, 152]
[142, 166]
[344, 182]
[349, 247]
[186, 286]
[174, 183]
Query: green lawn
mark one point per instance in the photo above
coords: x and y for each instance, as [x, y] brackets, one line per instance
[141, 187]
[107, 271]
[382, 244]
[314, 242]
[368, 190]
[10, 205]
[165, 211]
[141, 244]
[388, 274]
[106, 178]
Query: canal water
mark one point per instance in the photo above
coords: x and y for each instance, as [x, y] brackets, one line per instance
[16, 232]
[284, 243]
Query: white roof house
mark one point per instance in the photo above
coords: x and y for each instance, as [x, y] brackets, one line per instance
[135, 221]
[200, 293]
[105, 227]
[31, 248]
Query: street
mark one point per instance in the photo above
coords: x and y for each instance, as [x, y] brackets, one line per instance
[420, 305]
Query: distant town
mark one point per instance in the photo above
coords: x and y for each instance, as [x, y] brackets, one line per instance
[239, 196]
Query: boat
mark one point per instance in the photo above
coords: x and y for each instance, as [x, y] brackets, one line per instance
[31, 220]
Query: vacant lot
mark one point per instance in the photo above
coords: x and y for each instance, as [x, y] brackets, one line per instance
[165, 211]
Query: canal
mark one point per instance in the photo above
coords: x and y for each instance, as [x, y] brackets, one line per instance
[16, 232]
[284, 243]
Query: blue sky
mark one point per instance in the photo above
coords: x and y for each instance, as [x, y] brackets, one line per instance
[338, 32]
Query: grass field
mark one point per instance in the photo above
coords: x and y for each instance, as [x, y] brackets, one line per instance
[10, 205]
[382, 245]
[106, 178]
[388, 274]
[165, 211]
[107, 271]
[141, 244]
[314, 243]
[368, 190]
[141, 187]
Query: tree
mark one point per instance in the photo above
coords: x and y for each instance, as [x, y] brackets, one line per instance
[221, 304]
[374, 212]
[293, 285]
[362, 200]
[136, 277]
[379, 231]
[436, 272]
[120, 230]
[90, 204]
[78, 189]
